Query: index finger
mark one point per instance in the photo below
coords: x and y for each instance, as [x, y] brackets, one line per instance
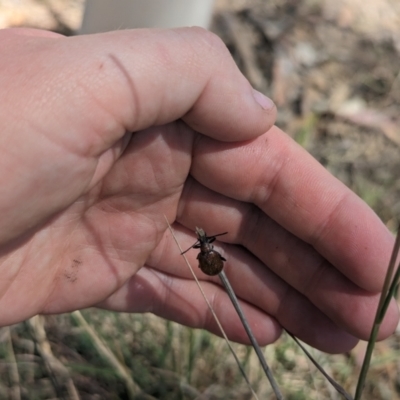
[292, 188]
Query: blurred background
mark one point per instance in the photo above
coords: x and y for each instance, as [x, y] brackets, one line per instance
[332, 67]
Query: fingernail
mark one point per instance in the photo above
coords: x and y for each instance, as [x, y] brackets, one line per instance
[265, 102]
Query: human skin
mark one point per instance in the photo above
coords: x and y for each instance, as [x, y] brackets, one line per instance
[83, 199]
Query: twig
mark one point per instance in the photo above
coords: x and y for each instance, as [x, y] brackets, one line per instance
[252, 338]
[14, 374]
[56, 369]
[213, 314]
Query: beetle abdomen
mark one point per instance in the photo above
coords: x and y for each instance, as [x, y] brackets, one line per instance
[211, 263]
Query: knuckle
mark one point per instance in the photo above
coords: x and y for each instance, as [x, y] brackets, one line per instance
[210, 41]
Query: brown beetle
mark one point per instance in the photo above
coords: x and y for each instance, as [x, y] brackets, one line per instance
[210, 261]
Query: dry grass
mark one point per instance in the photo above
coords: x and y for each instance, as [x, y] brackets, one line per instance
[168, 361]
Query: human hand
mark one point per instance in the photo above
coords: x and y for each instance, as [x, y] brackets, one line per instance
[83, 201]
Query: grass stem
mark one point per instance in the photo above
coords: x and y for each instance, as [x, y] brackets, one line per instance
[213, 313]
[388, 290]
[250, 334]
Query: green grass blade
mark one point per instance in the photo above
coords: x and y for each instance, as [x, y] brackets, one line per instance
[388, 290]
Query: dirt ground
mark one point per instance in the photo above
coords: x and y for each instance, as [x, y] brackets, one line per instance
[331, 66]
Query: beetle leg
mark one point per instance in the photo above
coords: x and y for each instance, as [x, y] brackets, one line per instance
[195, 246]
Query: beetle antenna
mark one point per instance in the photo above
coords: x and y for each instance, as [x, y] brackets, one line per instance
[218, 234]
[191, 247]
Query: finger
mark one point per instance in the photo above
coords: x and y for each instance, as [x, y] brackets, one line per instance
[350, 307]
[256, 285]
[33, 32]
[180, 300]
[291, 187]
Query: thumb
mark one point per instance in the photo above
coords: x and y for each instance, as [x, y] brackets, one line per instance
[140, 78]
